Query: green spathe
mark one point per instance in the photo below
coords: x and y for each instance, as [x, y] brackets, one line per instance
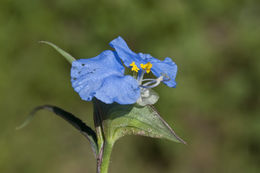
[121, 120]
[113, 121]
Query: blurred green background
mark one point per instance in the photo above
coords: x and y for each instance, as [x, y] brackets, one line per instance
[215, 107]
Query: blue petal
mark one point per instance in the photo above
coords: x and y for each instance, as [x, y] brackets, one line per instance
[120, 89]
[87, 75]
[166, 67]
[124, 52]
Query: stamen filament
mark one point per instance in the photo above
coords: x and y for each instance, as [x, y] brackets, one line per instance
[155, 81]
[148, 83]
[140, 77]
[147, 80]
[135, 74]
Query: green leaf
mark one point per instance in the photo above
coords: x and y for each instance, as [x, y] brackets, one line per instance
[66, 55]
[70, 118]
[120, 120]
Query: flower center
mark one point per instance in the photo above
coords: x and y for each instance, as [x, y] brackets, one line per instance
[134, 67]
[148, 96]
[146, 68]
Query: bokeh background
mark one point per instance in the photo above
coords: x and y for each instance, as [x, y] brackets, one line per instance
[215, 107]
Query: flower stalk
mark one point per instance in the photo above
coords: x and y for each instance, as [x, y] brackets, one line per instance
[104, 159]
[104, 146]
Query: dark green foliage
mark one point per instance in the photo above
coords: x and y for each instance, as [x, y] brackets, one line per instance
[71, 119]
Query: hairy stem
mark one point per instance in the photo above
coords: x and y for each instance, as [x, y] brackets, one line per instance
[104, 146]
[105, 154]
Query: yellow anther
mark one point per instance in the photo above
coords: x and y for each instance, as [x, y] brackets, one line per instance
[147, 67]
[134, 67]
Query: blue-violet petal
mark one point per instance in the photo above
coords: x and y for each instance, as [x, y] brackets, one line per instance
[100, 76]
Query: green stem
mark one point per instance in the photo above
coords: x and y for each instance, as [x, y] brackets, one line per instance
[104, 147]
[105, 157]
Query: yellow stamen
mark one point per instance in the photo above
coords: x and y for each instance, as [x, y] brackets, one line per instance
[134, 67]
[147, 67]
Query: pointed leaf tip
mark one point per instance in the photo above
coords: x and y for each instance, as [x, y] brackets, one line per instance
[71, 119]
[168, 127]
[66, 55]
[121, 120]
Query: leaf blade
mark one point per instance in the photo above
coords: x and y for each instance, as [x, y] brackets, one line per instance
[71, 119]
[66, 55]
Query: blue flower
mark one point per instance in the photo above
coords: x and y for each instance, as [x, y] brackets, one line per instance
[165, 70]
[103, 77]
